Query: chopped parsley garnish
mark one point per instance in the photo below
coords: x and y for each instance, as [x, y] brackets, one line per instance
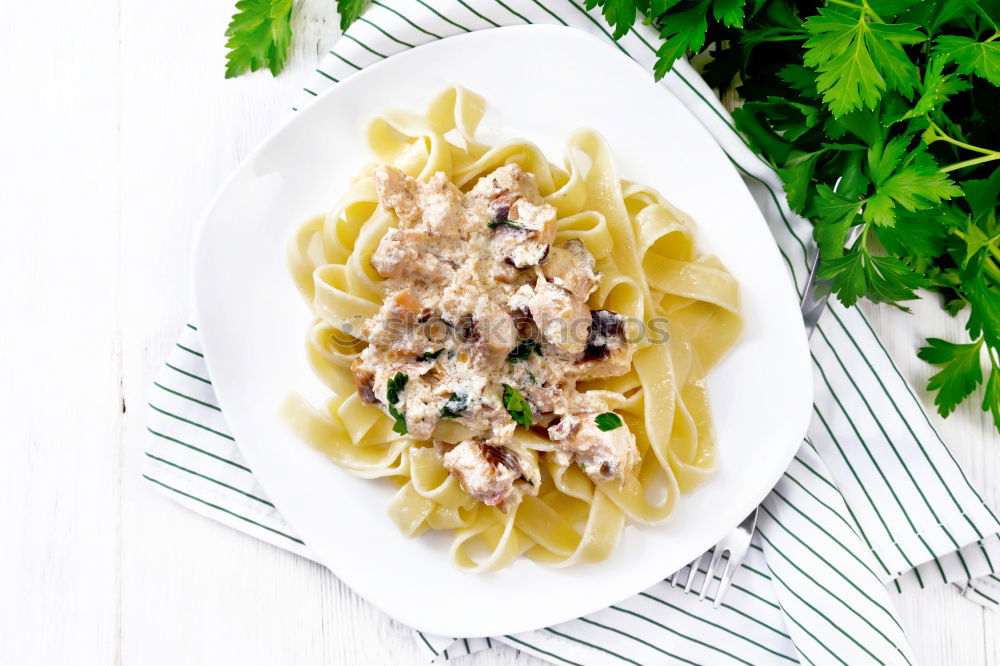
[608, 421]
[392, 390]
[525, 347]
[400, 425]
[500, 218]
[455, 405]
[515, 404]
[427, 356]
[531, 377]
[394, 387]
[503, 223]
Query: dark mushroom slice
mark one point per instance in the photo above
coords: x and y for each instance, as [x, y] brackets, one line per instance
[607, 353]
[607, 331]
[500, 455]
[364, 380]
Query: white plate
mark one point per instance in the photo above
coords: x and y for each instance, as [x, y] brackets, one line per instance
[253, 322]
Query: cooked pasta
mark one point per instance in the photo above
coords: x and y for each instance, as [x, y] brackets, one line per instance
[552, 495]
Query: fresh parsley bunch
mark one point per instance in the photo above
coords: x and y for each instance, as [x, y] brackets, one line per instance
[880, 116]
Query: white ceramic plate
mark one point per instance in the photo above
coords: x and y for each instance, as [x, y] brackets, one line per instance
[253, 322]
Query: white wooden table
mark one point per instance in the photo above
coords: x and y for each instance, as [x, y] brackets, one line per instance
[116, 127]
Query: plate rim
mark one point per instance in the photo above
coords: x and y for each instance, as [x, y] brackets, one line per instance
[273, 135]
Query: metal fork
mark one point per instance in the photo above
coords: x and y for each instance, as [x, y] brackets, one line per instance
[737, 542]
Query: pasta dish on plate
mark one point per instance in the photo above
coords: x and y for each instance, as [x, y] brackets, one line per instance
[521, 348]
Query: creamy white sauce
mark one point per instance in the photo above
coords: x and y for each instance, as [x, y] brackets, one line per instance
[478, 298]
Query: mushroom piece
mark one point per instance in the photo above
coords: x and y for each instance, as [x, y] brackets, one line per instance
[607, 352]
[364, 380]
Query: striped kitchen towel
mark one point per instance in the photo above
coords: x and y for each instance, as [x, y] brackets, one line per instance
[873, 502]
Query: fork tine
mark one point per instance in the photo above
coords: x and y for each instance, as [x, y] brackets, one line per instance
[739, 545]
[694, 572]
[675, 580]
[710, 573]
[726, 580]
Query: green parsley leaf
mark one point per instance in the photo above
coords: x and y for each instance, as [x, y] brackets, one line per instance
[400, 425]
[800, 78]
[516, 405]
[848, 273]
[984, 301]
[728, 12]
[881, 278]
[427, 356]
[960, 374]
[935, 14]
[914, 187]
[395, 386]
[916, 235]
[936, 89]
[259, 33]
[503, 223]
[608, 421]
[883, 158]
[975, 240]
[836, 215]
[888, 8]
[620, 14]
[972, 57]
[991, 398]
[454, 406]
[761, 137]
[857, 58]
[797, 177]
[681, 31]
[349, 11]
[982, 195]
[525, 348]
[392, 390]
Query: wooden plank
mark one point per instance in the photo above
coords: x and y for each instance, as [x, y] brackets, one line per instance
[60, 358]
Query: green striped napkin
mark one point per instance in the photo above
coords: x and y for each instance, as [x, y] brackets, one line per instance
[873, 502]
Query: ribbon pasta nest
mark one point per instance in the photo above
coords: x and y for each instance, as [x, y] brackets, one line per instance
[521, 348]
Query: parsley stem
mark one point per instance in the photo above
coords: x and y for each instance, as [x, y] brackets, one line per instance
[982, 12]
[871, 12]
[845, 3]
[990, 264]
[967, 163]
[939, 134]
[865, 8]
